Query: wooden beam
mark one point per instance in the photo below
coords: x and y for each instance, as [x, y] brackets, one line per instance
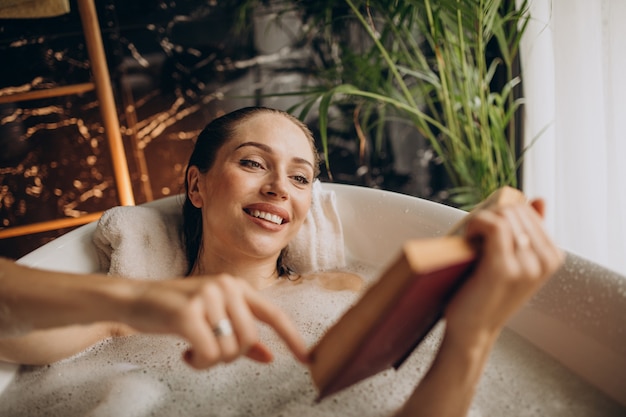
[104, 91]
[47, 226]
[65, 90]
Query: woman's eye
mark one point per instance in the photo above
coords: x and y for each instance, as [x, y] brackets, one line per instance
[250, 163]
[301, 179]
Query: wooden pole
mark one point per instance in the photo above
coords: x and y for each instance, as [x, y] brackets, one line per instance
[104, 91]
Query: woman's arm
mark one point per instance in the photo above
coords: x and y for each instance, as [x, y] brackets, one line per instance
[35, 304]
[35, 299]
[448, 387]
[42, 347]
[518, 257]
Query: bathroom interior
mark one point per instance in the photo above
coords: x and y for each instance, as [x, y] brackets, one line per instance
[120, 134]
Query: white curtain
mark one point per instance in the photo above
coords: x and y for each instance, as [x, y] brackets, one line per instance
[574, 73]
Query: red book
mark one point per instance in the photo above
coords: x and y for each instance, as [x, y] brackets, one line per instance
[393, 316]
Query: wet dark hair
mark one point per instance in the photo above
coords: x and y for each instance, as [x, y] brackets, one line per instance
[208, 143]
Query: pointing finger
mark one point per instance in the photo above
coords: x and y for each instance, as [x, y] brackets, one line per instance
[279, 321]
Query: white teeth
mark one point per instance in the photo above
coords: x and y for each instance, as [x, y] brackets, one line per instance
[267, 216]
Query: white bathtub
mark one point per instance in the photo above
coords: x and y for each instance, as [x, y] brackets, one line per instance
[579, 318]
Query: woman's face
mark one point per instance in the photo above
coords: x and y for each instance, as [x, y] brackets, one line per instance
[257, 194]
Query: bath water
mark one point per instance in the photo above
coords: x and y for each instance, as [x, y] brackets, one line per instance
[144, 375]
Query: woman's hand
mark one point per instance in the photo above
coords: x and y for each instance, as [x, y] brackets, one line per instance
[40, 310]
[193, 307]
[517, 258]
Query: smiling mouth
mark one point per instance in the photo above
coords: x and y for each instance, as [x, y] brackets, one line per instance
[265, 216]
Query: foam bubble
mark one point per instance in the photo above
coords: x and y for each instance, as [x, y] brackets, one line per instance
[144, 375]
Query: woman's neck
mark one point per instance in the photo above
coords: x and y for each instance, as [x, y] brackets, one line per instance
[258, 273]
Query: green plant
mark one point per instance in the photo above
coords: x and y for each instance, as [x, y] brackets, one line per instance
[427, 62]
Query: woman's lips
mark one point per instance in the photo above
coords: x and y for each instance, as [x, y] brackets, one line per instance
[268, 212]
[274, 218]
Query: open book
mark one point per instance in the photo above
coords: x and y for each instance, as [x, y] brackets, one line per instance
[396, 312]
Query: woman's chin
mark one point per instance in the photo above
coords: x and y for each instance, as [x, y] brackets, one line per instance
[263, 248]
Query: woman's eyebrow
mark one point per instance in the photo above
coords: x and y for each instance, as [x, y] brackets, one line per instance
[261, 146]
[269, 149]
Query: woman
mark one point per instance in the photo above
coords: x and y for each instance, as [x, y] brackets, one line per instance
[248, 191]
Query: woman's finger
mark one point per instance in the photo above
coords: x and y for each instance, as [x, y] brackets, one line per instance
[523, 239]
[528, 239]
[279, 321]
[260, 353]
[216, 297]
[489, 227]
[243, 321]
[212, 336]
[204, 350]
[547, 254]
[539, 205]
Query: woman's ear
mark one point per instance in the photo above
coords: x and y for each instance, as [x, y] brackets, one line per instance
[193, 189]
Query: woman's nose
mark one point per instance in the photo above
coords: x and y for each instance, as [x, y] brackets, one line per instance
[277, 187]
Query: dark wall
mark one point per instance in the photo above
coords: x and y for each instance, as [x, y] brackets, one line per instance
[174, 66]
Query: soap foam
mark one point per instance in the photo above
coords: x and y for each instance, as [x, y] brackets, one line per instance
[144, 374]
